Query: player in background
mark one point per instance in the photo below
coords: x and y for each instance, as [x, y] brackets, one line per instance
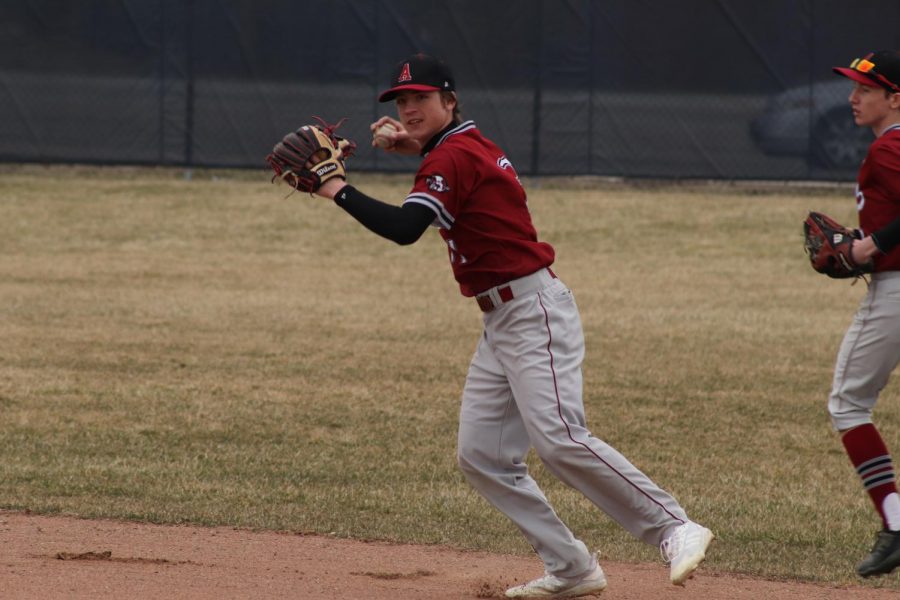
[871, 347]
[524, 385]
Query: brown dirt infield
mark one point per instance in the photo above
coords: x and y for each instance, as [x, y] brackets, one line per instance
[60, 557]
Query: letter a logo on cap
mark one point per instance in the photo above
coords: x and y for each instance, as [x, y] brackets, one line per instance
[404, 74]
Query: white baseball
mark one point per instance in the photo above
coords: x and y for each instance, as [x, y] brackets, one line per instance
[382, 135]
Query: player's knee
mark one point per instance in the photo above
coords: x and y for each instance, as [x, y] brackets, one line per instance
[553, 442]
[557, 452]
[468, 461]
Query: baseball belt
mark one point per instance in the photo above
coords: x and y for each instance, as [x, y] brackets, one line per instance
[490, 299]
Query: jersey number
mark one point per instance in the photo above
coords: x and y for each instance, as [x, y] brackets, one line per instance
[455, 257]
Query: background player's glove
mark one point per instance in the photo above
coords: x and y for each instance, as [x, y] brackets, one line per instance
[310, 156]
[829, 247]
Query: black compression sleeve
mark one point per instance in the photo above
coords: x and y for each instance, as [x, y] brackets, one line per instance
[887, 238]
[402, 224]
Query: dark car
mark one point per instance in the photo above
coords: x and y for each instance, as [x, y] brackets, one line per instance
[813, 121]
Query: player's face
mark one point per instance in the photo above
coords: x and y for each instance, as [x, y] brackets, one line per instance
[423, 114]
[872, 108]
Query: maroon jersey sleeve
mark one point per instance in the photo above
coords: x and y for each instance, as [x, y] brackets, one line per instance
[438, 187]
[878, 194]
[885, 159]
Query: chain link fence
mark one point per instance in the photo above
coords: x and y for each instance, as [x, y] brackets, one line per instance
[628, 88]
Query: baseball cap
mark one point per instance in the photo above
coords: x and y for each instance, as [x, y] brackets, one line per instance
[421, 73]
[881, 68]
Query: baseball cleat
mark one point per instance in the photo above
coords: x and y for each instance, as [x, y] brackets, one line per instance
[884, 557]
[550, 586]
[685, 549]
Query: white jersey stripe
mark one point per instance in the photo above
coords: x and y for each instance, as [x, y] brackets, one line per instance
[459, 129]
[444, 218]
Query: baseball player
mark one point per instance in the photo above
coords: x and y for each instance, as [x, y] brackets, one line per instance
[871, 347]
[524, 385]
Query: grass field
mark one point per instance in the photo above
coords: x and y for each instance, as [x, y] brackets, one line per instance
[206, 351]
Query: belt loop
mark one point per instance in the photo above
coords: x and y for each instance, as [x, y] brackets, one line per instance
[495, 297]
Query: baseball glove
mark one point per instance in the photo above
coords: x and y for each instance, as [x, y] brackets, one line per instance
[310, 156]
[829, 246]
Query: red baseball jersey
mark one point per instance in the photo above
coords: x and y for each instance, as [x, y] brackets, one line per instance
[481, 210]
[878, 191]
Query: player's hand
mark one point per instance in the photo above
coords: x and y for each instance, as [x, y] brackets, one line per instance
[330, 188]
[863, 250]
[402, 143]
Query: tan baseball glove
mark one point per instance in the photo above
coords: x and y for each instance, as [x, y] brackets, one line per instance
[310, 156]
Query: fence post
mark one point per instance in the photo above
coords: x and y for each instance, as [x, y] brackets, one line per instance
[536, 115]
[189, 89]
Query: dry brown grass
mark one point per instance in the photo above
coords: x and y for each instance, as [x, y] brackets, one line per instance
[206, 351]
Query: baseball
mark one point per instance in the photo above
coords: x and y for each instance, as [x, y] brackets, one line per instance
[382, 135]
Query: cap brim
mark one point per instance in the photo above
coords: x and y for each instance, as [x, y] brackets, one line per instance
[856, 76]
[390, 94]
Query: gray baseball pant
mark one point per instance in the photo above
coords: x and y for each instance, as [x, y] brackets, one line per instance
[524, 388]
[869, 353]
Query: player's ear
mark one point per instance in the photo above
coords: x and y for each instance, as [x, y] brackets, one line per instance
[894, 100]
[449, 99]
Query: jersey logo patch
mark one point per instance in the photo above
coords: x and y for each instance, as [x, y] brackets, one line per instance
[436, 183]
[504, 164]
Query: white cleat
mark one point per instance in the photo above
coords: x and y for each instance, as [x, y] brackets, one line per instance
[550, 586]
[685, 549]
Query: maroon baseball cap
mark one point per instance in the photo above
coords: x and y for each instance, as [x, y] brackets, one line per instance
[876, 69]
[420, 73]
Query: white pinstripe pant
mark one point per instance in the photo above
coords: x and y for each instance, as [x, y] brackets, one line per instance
[524, 388]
